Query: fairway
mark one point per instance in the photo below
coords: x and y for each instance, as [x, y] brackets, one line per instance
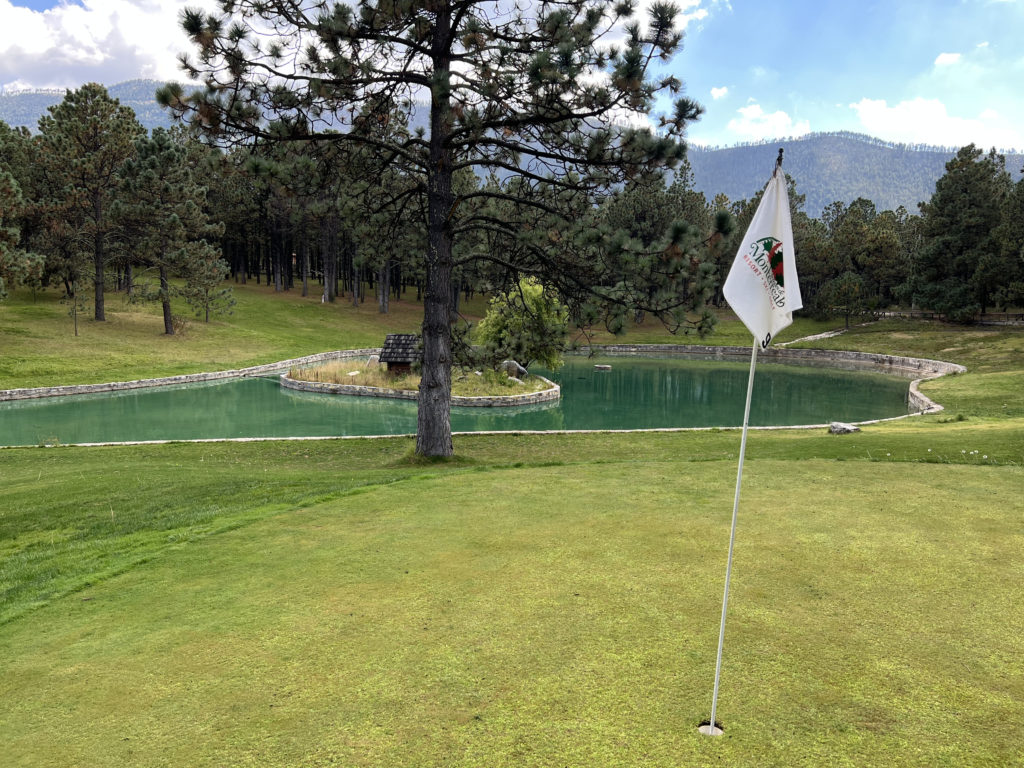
[562, 615]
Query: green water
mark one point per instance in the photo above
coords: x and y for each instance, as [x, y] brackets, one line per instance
[638, 393]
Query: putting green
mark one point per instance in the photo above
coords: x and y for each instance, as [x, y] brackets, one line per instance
[554, 616]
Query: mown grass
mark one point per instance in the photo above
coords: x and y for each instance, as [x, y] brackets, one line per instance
[482, 613]
[39, 347]
[538, 600]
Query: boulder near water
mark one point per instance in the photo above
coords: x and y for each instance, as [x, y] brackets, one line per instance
[842, 428]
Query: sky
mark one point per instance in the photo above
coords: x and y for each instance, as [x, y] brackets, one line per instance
[937, 72]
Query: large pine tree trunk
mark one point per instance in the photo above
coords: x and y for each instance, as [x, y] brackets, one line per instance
[433, 423]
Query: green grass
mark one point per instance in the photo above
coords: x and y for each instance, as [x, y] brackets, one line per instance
[39, 347]
[538, 600]
[484, 613]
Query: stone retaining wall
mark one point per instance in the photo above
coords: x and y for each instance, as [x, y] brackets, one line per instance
[530, 398]
[189, 378]
[917, 368]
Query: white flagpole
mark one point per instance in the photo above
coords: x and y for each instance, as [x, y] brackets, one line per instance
[712, 729]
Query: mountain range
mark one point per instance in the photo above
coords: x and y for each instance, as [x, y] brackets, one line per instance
[828, 167]
[24, 108]
[825, 166]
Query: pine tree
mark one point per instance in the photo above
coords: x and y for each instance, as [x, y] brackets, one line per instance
[531, 93]
[844, 295]
[16, 265]
[1010, 237]
[205, 272]
[958, 269]
[161, 212]
[85, 141]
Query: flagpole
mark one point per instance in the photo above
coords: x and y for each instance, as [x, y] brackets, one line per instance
[711, 729]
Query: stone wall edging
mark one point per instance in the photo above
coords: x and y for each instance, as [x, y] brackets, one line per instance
[554, 392]
[921, 369]
[918, 368]
[29, 393]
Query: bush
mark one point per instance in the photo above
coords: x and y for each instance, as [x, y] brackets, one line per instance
[527, 324]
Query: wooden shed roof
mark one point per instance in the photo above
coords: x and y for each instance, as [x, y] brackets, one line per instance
[400, 348]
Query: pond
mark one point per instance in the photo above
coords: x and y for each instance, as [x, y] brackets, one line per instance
[637, 393]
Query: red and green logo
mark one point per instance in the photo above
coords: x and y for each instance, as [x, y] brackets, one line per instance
[772, 250]
[766, 259]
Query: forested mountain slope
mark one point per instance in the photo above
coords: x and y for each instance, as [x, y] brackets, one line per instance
[26, 107]
[826, 166]
[829, 167]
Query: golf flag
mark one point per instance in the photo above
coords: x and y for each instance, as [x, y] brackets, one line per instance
[763, 292]
[762, 287]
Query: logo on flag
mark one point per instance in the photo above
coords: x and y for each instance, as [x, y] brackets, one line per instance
[756, 287]
[766, 253]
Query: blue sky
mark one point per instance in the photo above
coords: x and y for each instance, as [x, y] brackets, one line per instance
[945, 72]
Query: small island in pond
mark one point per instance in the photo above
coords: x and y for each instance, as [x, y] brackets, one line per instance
[370, 378]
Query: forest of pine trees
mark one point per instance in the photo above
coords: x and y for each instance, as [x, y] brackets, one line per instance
[88, 198]
[297, 219]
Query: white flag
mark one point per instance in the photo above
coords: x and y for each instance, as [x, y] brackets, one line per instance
[762, 286]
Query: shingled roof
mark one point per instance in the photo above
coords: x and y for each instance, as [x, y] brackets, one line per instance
[400, 348]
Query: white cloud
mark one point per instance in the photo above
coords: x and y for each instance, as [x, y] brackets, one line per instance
[100, 40]
[686, 11]
[760, 73]
[928, 121]
[946, 59]
[109, 41]
[719, 93]
[754, 124]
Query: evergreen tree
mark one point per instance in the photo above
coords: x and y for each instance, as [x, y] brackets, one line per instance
[205, 272]
[19, 158]
[958, 269]
[532, 93]
[815, 259]
[645, 211]
[85, 141]
[1010, 237]
[885, 263]
[844, 295]
[16, 266]
[162, 214]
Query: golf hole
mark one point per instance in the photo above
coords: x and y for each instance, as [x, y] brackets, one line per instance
[707, 729]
